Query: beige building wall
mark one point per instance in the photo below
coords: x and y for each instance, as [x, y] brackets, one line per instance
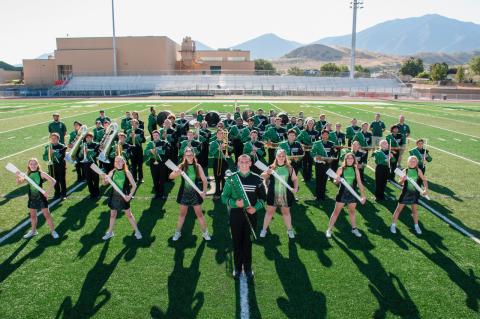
[6, 76]
[39, 72]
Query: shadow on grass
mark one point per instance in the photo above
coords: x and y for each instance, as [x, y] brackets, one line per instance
[382, 284]
[92, 289]
[441, 189]
[183, 300]
[221, 240]
[17, 192]
[74, 219]
[468, 282]
[302, 300]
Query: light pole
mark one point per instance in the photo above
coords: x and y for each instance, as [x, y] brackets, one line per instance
[355, 4]
[114, 44]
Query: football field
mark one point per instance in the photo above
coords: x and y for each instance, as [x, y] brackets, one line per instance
[381, 275]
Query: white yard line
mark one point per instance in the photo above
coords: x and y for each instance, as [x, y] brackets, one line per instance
[40, 145]
[244, 101]
[472, 139]
[62, 118]
[23, 115]
[27, 221]
[244, 306]
[411, 139]
[437, 117]
[420, 123]
[441, 139]
[439, 215]
[27, 108]
[9, 138]
[456, 139]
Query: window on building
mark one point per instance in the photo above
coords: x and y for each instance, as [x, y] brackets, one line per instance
[215, 69]
[64, 71]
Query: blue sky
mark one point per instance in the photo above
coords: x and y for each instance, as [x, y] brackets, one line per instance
[28, 28]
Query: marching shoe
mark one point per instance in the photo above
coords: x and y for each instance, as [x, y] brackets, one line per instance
[30, 234]
[55, 235]
[291, 234]
[236, 274]
[263, 233]
[249, 274]
[177, 235]
[138, 235]
[206, 236]
[328, 233]
[418, 230]
[356, 232]
[393, 229]
[107, 235]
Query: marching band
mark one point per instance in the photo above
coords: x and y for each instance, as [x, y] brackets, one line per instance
[245, 180]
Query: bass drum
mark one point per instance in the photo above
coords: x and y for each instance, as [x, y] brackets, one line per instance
[162, 116]
[212, 118]
[284, 117]
[247, 114]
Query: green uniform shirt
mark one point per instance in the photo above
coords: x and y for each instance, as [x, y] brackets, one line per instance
[404, 129]
[58, 127]
[377, 128]
[420, 154]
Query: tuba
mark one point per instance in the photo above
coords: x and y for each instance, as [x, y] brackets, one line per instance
[71, 156]
[106, 142]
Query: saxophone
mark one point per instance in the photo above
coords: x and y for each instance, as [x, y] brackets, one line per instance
[71, 156]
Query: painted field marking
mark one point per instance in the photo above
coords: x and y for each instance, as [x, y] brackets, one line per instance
[27, 138]
[439, 215]
[66, 117]
[456, 139]
[441, 139]
[40, 145]
[245, 101]
[244, 306]
[27, 108]
[411, 139]
[9, 138]
[14, 117]
[437, 117]
[27, 221]
[437, 127]
[472, 139]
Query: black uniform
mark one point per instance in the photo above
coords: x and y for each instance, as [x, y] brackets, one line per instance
[136, 152]
[57, 169]
[321, 168]
[158, 170]
[239, 226]
[91, 177]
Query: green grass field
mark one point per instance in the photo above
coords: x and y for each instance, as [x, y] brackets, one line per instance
[435, 275]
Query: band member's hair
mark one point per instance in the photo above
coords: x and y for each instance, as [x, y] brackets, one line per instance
[134, 121]
[260, 109]
[220, 130]
[355, 142]
[39, 169]
[250, 119]
[171, 117]
[338, 124]
[98, 122]
[55, 134]
[106, 122]
[122, 134]
[135, 113]
[308, 119]
[152, 109]
[393, 127]
[344, 163]
[419, 140]
[184, 165]
[199, 112]
[254, 131]
[275, 162]
[244, 156]
[292, 131]
[412, 157]
[325, 131]
[364, 123]
[125, 166]
[155, 131]
[77, 122]
[322, 115]
[89, 134]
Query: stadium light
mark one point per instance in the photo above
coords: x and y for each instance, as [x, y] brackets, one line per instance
[114, 44]
[355, 5]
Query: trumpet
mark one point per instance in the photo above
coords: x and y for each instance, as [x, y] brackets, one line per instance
[271, 145]
[295, 157]
[306, 148]
[106, 142]
[71, 156]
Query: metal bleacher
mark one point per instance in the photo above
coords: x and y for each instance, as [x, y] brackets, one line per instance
[221, 83]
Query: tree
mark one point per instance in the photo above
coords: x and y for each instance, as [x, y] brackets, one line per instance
[361, 69]
[344, 69]
[295, 71]
[412, 67]
[475, 65]
[438, 71]
[460, 76]
[423, 75]
[264, 65]
[330, 67]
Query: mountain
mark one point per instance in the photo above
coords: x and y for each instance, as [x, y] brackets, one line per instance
[317, 51]
[8, 67]
[44, 56]
[200, 46]
[429, 33]
[456, 58]
[267, 46]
